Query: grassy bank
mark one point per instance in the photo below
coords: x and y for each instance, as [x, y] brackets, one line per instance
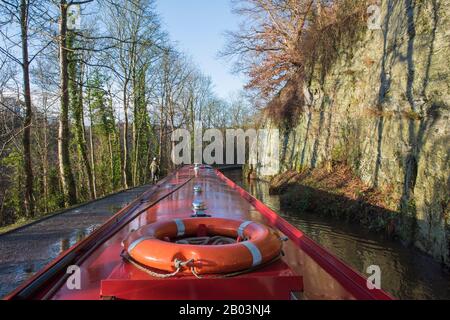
[22, 222]
[17, 224]
[338, 193]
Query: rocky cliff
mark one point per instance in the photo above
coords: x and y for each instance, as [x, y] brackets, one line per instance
[383, 107]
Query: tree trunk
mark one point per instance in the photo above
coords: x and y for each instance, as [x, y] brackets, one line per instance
[135, 126]
[91, 144]
[45, 161]
[27, 165]
[112, 144]
[65, 169]
[172, 143]
[126, 165]
[111, 161]
[161, 135]
[77, 109]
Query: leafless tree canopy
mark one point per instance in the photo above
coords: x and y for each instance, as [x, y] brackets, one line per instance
[90, 92]
[277, 37]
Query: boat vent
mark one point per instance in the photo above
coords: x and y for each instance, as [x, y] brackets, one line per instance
[199, 208]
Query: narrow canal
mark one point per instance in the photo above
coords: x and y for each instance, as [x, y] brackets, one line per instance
[406, 272]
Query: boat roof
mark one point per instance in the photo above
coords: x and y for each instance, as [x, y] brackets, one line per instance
[306, 271]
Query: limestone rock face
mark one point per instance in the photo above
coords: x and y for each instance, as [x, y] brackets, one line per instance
[383, 107]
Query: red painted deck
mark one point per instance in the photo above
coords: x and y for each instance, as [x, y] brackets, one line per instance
[306, 269]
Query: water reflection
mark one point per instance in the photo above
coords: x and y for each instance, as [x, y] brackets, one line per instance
[65, 244]
[28, 269]
[406, 273]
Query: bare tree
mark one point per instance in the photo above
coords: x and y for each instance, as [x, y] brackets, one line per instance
[268, 44]
[65, 169]
[118, 74]
[136, 31]
[23, 13]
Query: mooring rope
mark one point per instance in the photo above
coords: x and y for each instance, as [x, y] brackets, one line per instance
[238, 273]
[213, 241]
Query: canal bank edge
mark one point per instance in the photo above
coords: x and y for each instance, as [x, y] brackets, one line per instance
[29, 223]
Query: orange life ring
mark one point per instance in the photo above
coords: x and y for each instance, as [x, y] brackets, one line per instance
[147, 247]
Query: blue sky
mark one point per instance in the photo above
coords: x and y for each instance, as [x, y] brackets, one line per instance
[197, 27]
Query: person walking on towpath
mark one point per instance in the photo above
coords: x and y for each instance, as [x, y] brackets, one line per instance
[154, 170]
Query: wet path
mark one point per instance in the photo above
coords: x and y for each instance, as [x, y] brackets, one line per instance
[27, 250]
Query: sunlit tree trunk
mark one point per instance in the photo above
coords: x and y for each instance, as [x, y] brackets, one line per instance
[65, 169]
[27, 165]
[92, 148]
[126, 164]
[45, 162]
[76, 95]
[136, 120]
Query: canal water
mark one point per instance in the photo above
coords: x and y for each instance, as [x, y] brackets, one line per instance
[406, 272]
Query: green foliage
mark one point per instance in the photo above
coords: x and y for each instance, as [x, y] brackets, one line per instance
[103, 125]
[348, 149]
[14, 202]
[339, 153]
[56, 199]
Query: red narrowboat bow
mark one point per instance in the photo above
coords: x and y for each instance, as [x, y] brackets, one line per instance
[233, 248]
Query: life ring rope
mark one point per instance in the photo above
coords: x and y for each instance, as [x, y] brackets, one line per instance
[241, 245]
[181, 264]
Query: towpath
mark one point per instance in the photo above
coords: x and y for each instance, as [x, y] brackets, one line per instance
[26, 250]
